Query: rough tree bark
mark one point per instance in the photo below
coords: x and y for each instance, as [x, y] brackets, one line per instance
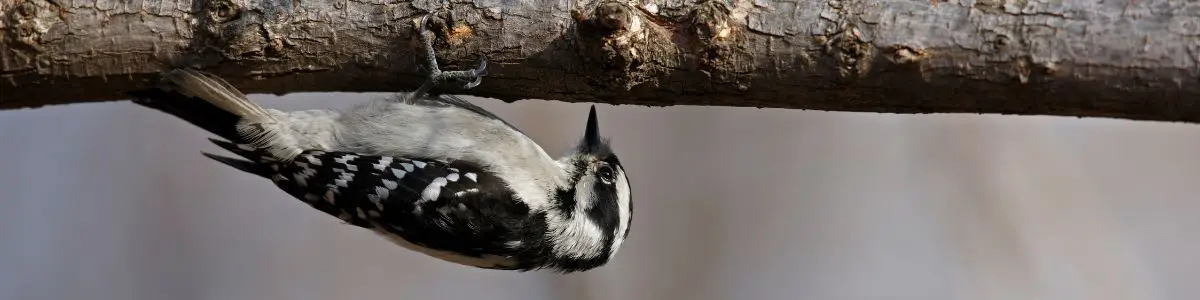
[1102, 58]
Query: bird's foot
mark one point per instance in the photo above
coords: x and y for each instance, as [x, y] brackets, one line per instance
[472, 77]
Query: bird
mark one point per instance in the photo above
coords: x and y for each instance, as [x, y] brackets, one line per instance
[430, 172]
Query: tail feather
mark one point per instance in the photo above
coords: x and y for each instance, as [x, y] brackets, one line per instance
[245, 151]
[211, 103]
[192, 110]
[255, 161]
[217, 91]
[241, 164]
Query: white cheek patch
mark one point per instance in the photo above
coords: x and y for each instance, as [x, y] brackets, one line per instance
[583, 189]
[624, 203]
[577, 236]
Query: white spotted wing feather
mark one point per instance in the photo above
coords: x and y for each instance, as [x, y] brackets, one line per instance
[452, 210]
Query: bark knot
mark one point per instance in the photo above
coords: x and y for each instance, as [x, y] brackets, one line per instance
[710, 21]
[716, 43]
[240, 32]
[851, 52]
[222, 11]
[618, 41]
[903, 54]
[29, 21]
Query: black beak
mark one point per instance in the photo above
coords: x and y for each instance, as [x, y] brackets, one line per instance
[591, 135]
[592, 142]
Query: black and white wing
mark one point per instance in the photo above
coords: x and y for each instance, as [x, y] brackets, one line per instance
[447, 206]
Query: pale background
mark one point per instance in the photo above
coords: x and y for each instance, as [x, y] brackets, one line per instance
[114, 202]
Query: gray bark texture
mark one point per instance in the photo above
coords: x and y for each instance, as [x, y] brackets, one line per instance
[1132, 59]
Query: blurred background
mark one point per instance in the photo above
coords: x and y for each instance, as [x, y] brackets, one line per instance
[114, 201]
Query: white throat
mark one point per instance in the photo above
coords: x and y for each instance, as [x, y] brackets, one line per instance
[572, 233]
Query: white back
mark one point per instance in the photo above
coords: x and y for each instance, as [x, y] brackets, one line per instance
[388, 127]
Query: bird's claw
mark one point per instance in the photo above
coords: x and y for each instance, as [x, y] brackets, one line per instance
[473, 77]
[477, 73]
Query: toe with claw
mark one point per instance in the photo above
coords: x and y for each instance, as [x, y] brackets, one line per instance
[472, 77]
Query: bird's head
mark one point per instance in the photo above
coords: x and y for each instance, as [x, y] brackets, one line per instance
[595, 205]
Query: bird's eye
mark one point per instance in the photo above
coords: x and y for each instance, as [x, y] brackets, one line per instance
[605, 173]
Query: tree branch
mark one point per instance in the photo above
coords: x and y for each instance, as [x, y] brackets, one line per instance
[1124, 59]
